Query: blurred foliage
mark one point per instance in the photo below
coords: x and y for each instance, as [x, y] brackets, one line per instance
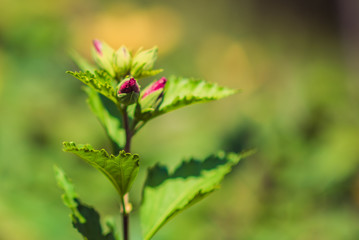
[298, 108]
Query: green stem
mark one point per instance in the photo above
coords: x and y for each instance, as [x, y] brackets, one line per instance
[127, 129]
[125, 198]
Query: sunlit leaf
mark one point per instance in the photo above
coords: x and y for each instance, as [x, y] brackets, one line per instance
[166, 194]
[121, 170]
[99, 81]
[180, 92]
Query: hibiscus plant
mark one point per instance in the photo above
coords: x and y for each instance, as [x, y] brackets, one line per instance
[123, 108]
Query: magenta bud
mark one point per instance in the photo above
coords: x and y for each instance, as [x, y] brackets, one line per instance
[98, 46]
[129, 86]
[160, 84]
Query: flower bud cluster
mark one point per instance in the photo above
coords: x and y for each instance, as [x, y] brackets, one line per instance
[120, 64]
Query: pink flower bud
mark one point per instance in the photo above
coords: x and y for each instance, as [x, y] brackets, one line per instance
[98, 46]
[160, 84]
[129, 86]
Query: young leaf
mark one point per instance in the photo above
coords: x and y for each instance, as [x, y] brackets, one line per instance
[121, 170]
[165, 195]
[84, 218]
[99, 81]
[109, 117]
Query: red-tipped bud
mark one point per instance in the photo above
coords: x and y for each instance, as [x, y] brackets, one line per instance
[160, 84]
[98, 46]
[129, 86]
[128, 92]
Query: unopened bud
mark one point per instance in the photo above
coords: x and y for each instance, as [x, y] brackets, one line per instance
[129, 91]
[128, 86]
[103, 55]
[98, 46]
[143, 61]
[122, 61]
[158, 85]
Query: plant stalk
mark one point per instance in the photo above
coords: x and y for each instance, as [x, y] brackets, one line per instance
[125, 217]
[126, 221]
[125, 199]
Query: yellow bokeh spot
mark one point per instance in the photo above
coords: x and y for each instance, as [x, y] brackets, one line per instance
[128, 25]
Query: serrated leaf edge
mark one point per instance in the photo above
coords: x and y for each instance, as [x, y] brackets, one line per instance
[72, 146]
[92, 78]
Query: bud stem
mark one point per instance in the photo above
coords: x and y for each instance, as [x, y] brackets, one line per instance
[127, 129]
[125, 198]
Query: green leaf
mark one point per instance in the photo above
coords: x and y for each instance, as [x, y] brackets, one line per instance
[69, 197]
[165, 194]
[121, 170]
[84, 218]
[109, 116]
[180, 92]
[91, 229]
[100, 81]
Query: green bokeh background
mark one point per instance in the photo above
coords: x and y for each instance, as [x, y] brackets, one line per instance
[296, 61]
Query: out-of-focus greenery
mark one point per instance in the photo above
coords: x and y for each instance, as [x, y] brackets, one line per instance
[298, 107]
